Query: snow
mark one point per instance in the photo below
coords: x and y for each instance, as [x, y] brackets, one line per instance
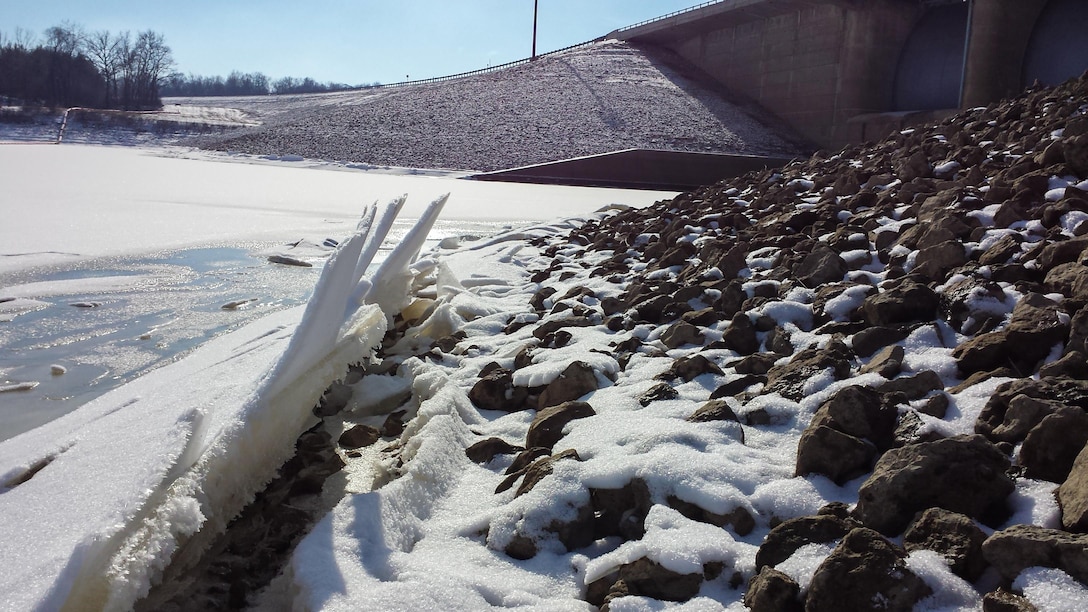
[97, 501]
[166, 465]
[1051, 590]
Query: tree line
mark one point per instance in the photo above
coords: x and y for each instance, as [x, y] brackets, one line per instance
[70, 67]
[246, 84]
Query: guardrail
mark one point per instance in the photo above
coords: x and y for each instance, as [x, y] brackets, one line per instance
[520, 62]
[497, 67]
[670, 15]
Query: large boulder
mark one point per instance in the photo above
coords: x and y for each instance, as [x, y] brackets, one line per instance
[845, 434]
[1012, 550]
[1050, 447]
[951, 534]
[865, 572]
[1073, 495]
[907, 302]
[963, 474]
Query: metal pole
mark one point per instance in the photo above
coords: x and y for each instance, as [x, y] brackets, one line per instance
[535, 2]
[966, 50]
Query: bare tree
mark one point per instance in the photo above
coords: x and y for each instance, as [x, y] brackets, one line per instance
[107, 53]
[147, 63]
[24, 40]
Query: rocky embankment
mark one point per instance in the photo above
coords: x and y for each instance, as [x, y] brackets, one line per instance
[976, 229]
[858, 382]
[596, 99]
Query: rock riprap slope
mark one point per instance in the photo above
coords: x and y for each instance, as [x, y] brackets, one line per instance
[595, 99]
[857, 382]
[943, 275]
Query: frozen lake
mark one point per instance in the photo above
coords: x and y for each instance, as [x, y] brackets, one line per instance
[114, 261]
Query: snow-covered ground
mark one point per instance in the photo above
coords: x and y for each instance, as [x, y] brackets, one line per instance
[115, 260]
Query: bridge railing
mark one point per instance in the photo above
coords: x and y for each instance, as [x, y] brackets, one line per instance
[670, 15]
[520, 62]
[495, 68]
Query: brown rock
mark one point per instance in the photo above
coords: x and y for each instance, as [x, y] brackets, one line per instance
[1070, 279]
[914, 387]
[485, 450]
[359, 436]
[788, 536]
[772, 591]
[953, 535]
[888, 362]
[1050, 448]
[1012, 550]
[681, 333]
[1004, 600]
[496, 391]
[907, 302]
[539, 470]
[660, 391]
[576, 380]
[547, 427]
[822, 265]
[963, 474]
[869, 340]
[865, 568]
[740, 336]
[837, 455]
[788, 380]
[934, 262]
[1073, 495]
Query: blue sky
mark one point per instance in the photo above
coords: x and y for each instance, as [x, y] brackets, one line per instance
[354, 42]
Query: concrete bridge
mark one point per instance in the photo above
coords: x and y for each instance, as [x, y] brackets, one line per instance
[842, 71]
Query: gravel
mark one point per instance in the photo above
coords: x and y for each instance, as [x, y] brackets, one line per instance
[604, 97]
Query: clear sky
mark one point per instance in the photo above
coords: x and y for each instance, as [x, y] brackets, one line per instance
[347, 41]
